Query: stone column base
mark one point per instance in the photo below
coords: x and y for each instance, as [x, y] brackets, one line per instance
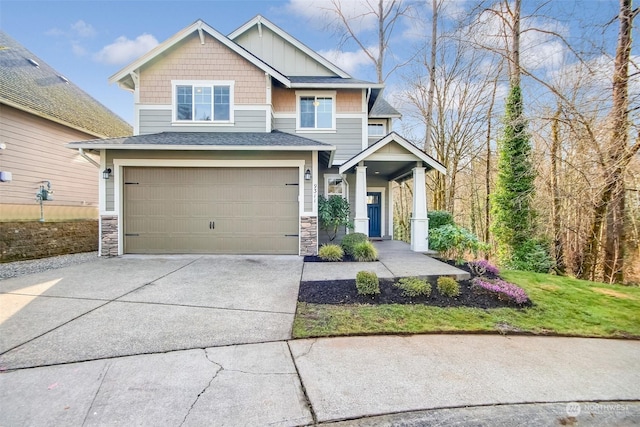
[109, 235]
[308, 235]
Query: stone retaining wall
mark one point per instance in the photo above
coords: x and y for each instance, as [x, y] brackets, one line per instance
[32, 240]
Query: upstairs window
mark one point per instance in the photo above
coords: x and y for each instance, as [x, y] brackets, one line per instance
[316, 112]
[375, 129]
[203, 102]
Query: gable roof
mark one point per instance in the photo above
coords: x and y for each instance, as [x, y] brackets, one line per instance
[201, 27]
[259, 20]
[381, 109]
[29, 84]
[274, 140]
[392, 137]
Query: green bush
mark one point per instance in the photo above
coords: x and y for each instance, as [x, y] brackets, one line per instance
[350, 240]
[439, 218]
[533, 255]
[331, 253]
[448, 286]
[333, 213]
[414, 287]
[365, 252]
[367, 283]
[453, 242]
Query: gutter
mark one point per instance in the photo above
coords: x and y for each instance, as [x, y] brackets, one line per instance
[87, 158]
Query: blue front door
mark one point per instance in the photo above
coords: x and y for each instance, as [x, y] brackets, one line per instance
[374, 211]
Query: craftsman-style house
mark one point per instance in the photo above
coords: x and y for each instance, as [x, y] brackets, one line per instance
[236, 136]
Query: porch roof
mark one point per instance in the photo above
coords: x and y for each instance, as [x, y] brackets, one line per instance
[394, 165]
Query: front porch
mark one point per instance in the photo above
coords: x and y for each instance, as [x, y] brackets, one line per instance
[372, 172]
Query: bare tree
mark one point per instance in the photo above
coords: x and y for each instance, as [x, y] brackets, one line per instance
[387, 14]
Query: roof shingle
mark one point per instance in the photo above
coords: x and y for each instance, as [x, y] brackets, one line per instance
[207, 140]
[27, 82]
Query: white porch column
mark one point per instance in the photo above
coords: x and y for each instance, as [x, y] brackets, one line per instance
[419, 219]
[361, 220]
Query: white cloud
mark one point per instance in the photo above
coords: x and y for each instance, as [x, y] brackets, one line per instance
[82, 29]
[124, 50]
[78, 49]
[348, 61]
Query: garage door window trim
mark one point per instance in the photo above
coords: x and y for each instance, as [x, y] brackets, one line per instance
[207, 102]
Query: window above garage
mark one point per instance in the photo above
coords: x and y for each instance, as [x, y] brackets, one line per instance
[203, 102]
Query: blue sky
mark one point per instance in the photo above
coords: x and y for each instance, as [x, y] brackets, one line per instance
[88, 41]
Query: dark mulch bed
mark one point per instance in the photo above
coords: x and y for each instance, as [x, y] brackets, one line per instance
[345, 292]
[316, 258]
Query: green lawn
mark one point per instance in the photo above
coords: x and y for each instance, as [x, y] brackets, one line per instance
[563, 306]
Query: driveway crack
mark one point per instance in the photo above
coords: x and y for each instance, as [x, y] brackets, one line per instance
[215, 374]
[104, 373]
[306, 353]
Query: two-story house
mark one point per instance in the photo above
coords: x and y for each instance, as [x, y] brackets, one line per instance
[236, 136]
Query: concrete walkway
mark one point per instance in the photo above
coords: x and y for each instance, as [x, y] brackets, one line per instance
[395, 260]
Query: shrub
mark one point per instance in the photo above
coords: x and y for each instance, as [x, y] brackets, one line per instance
[482, 267]
[504, 290]
[331, 253]
[414, 287]
[454, 242]
[350, 240]
[333, 213]
[365, 252]
[439, 218]
[448, 286]
[367, 283]
[533, 255]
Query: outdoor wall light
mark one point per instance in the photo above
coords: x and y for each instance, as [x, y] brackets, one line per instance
[307, 175]
[106, 173]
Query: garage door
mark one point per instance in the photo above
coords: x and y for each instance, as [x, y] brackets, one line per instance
[211, 210]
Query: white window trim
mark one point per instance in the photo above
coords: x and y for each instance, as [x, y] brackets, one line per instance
[377, 122]
[175, 83]
[317, 94]
[327, 177]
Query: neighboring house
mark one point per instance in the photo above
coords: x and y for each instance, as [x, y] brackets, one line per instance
[40, 112]
[236, 137]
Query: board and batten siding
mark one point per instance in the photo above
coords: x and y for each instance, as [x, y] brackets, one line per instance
[280, 54]
[347, 138]
[112, 155]
[35, 152]
[156, 121]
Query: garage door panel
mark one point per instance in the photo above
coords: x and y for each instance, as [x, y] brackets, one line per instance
[169, 210]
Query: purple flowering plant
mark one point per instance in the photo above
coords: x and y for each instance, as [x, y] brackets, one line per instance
[504, 290]
[483, 267]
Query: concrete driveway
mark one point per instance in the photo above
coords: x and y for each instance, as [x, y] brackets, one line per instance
[139, 305]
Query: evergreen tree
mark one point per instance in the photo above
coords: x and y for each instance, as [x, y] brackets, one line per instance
[513, 216]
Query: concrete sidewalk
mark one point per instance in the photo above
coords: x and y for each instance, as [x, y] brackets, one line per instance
[304, 382]
[395, 259]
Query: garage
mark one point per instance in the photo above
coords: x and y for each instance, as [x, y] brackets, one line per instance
[186, 210]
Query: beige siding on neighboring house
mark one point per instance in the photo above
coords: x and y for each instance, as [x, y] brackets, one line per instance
[35, 152]
[190, 60]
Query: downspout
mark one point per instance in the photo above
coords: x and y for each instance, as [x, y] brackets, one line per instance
[87, 158]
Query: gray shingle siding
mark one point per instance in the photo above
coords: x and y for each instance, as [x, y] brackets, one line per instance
[156, 121]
